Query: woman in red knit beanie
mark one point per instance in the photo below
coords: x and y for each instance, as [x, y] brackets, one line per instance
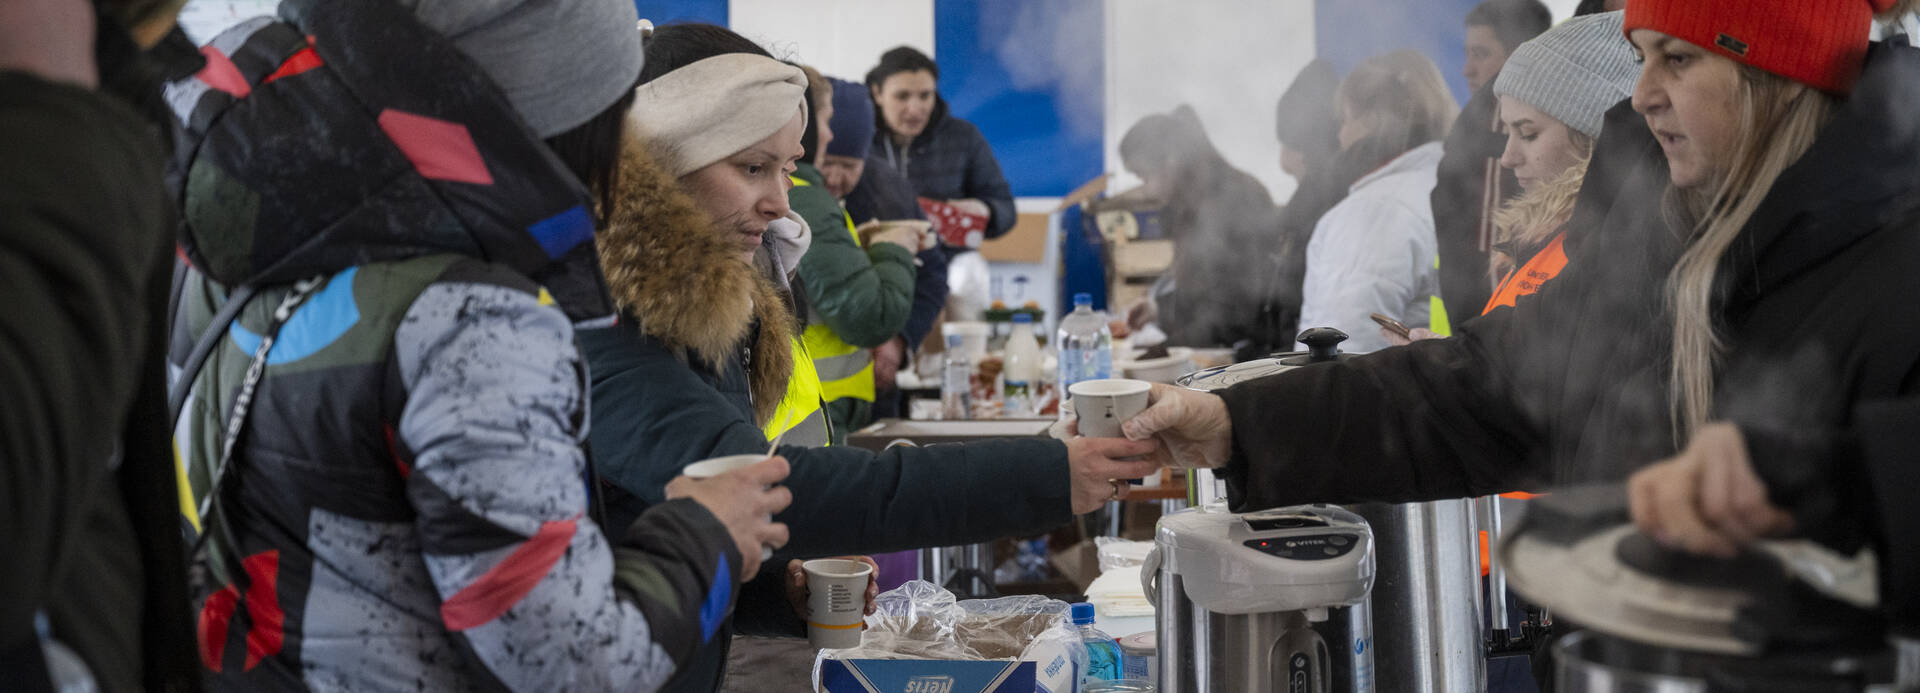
[1736, 92]
[1782, 261]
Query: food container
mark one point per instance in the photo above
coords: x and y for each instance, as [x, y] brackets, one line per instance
[1164, 369]
[1137, 654]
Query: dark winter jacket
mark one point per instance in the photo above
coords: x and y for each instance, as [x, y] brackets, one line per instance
[1463, 204]
[87, 480]
[857, 298]
[1822, 369]
[950, 160]
[405, 507]
[1225, 231]
[862, 293]
[684, 376]
[883, 193]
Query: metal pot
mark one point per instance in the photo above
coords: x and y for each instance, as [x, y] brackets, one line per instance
[1426, 592]
[1779, 616]
[1267, 601]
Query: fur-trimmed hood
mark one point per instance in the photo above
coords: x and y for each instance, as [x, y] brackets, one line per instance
[668, 268]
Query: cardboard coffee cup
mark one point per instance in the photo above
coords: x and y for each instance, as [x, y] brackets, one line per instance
[712, 467]
[1102, 405]
[836, 601]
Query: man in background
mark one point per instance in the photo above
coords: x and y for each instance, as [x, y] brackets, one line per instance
[1471, 183]
[1494, 29]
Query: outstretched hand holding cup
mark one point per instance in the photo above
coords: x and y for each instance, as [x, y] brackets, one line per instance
[1193, 428]
[741, 491]
[1100, 459]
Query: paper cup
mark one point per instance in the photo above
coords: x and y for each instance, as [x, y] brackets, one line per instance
[836, 601]
[709, 468]
[1101, 405]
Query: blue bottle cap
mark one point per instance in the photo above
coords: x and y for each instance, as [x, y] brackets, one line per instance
[1083, 299]
[1082, 611]
[1022, 318]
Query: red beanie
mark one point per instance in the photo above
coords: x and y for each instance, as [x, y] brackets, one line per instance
[1819, 43]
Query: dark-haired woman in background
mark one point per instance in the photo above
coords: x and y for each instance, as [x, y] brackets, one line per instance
[694, 366]
[947, 158]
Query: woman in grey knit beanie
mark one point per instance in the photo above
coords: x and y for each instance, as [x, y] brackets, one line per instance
[1554, 92]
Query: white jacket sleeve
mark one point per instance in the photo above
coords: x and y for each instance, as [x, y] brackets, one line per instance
[1367, 256]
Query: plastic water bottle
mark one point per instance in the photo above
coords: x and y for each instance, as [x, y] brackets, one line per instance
[1103, 652]
[956, 382]
[1086, 345]
[1021, 377]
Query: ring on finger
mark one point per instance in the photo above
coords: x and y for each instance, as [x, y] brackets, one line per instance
[1119, 489]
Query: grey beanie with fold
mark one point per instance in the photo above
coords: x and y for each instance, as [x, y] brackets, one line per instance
[1573, 72]
[560, 62]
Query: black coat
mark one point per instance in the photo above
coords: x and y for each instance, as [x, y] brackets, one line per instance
[654, 413]
[87, 478]
[950, 160]
[1821, 372]
[1226, 233]
[1462, 212]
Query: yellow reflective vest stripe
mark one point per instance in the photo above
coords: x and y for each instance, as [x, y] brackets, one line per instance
[844, 370]
[1437, 311]
[801, 413]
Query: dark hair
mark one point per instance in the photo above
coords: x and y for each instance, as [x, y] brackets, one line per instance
[1306, 118]
[900, 59]
[1168, 144]
[811, 133]
[675, 46]
[1588, 7]
[591, 151]
[1512, 21]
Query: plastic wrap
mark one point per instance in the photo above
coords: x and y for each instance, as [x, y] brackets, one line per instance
[920, 620]
[1121, 553]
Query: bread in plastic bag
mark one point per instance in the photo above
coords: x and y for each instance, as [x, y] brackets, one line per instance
[920, 620]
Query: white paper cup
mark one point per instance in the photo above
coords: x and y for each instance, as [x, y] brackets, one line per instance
[709, 468]
[836, 601]
[1101, 405]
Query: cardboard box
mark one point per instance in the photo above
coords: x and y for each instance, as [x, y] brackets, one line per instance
[925, 676]
[1025, 242]
[1141, 258]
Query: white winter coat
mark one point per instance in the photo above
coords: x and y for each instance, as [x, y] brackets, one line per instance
[1375, 253]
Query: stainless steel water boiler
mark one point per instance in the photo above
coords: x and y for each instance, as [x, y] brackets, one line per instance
[1267, 601]
[1426, 600]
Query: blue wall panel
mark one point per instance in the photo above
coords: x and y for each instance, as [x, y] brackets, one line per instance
[680, 11]
[1031, 76]
[1349, 31]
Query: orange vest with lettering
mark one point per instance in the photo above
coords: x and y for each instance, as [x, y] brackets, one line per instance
[1525, 280]
[1528, 278]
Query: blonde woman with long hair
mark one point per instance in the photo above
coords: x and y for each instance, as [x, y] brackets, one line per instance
[1738, 334]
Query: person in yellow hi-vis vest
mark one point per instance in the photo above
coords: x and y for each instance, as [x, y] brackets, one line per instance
[703, 354]
[801, 415]
[856, 298]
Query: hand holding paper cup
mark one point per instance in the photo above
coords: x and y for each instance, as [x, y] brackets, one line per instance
[741, 491]
[1102, 405]
[836, 601]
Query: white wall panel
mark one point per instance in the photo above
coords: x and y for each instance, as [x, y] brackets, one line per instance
[842, 38]
[1229, 59]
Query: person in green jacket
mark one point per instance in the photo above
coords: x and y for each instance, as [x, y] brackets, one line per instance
[700, 356]
[857, 297]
